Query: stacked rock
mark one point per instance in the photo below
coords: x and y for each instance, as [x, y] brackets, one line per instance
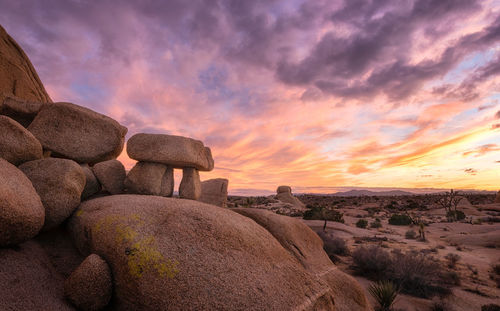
[158, 156]
[284, 194]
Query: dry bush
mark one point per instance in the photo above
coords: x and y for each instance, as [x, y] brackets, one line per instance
[372, 261]
[410, 235]
[452, 260]
[334, 246]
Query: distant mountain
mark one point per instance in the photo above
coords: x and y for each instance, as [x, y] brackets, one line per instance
[358, 193]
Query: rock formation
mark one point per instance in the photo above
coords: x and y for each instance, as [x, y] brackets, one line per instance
[497, 199]
[77, 133]
[90, 286]
[59, 183]
[214, 191]
[284, 194]
[21, 211]
[17, 75]
[17, 145]
[151, 252]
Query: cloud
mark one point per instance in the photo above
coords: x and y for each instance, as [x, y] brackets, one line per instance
[470, 171]
[482, 150]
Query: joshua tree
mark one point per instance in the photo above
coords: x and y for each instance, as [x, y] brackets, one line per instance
[449, 201]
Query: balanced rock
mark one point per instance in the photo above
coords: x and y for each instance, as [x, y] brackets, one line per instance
[20, 110]
[92, 185]
[111, 174]
[17, 144]
[59, 183]
[90, 286]
[174, 254]
[214, 191]
[305, 245]
[21, 211]
[176, 151]
[77, 133]
[284, 194]
[17, 75]
[190, 187]
[497, 199]
[150, 178]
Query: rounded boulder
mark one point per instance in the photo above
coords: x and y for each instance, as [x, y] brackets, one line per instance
[17, 144]
[111, 174]
[59, 183]
[21, 211]
[175, 254]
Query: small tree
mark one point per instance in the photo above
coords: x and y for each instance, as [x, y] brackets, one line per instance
[449, 201]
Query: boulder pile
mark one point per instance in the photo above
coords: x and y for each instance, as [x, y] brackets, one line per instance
[78, 232]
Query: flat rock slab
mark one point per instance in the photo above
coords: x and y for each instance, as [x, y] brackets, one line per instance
[74, 132]
[17, 144]
[176, 151]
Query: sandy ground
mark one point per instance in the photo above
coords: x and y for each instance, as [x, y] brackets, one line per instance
[478, 246]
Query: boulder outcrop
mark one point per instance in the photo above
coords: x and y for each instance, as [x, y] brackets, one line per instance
[175, 151]
[20, 110]
[92, 185]
[111, 175]
[17, 75]
[497, 199]
[284, 194]
[214, 191]
[59, 183]
[77, 133]
[17, 144]
[21, 211]
[150, 178]
[176, 254]
[89, 287]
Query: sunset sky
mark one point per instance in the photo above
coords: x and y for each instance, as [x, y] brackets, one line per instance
[313, 94]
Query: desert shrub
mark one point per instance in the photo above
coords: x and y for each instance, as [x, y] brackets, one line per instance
[362, 223]
[376, 224]
[496, 268]
[372, 261]
[452, 260]
[385, 293]
[334, 246]
[458, 215]
[320, 213]
[490, 307]
[400, 220]
[410, 234]
[440, 305]
[451, 277]
[418, 274]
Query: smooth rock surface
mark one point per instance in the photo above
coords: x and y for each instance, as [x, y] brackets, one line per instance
[17, 144]
[174, 254]
[21, 210]
[284, 194]
[90, 286]
[17, 75]
[190, 186]
[111, 175]
[284, 189]
[150, 178]
[214, 191]
[20, 110]
[74, 132]
[176, 151]
[92, 185]
[59, 183]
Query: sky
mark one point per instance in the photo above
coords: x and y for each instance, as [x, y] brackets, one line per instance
[319, 95]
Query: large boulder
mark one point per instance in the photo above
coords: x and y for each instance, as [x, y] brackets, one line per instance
[20, 110]
[92, 185]
[305, 245]
[74, 132]
[176, 151]
[17, 75]
[214, 191]
[111, 175]
[174, 254]
[17, 144]
[284, 194]
[21, 211]
[150, 178]
[59, 183]
[90, 286]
